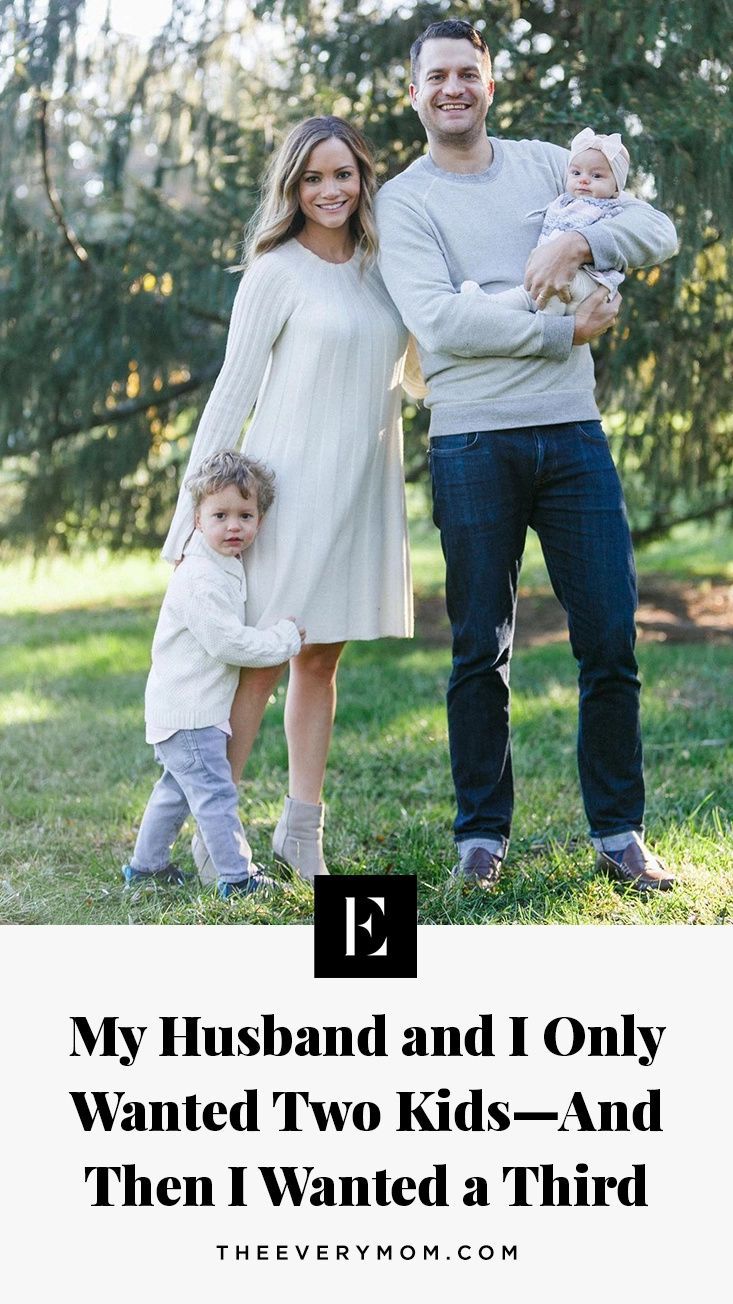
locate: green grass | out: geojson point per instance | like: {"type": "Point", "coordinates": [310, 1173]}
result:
{"type": "Point", "coordinates": [74, 648]}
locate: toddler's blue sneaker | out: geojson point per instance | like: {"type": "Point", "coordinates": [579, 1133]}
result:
{"type": "Point", "coordinates": [171, 876]}
{"type": "Point", "coordinates": [255, 882]}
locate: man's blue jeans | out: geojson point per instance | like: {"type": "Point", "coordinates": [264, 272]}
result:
{"type": "Point", "coordinates": [561, 480]}
{"type": "Point", "coordinates": [197, 778]}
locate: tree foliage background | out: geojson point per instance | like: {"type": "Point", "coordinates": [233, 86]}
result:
{"type": "Point", "coordinates": [127, 174]}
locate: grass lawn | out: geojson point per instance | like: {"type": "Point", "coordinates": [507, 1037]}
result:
{"type": "Point", "coordinates": [74, 648]}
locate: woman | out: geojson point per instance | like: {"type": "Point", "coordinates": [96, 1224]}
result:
{"type": "Point", "coordinates": [316, 341]}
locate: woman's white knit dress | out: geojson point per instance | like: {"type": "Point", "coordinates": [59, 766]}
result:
{"type": "Point", "coordinates": [320, 347]}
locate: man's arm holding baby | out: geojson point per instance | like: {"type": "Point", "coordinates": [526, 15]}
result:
{"type": "Point", "coordinates": [474, 325]}
{"type": "Point", "coordinates": [638, 236]}
{"type": "Point", "coordinates": [443, 321]}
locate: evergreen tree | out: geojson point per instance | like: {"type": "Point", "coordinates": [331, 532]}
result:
{"type": "Point", "coordinates": [127, 176]}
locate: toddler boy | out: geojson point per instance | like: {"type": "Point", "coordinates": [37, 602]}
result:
{"type": "Point", "coordinates": [200, 643]}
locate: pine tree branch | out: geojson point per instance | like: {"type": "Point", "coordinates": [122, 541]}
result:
{"type": "Point", "coordinates": [123, 411]}
{"type": "Point", "coordinates": [417, 471]}
{"type": "Point", "coordinates": [52, 194]}
{"type": "Point", "coordinates": [173, 210]}
{"type": "Point", "coordinates": [203, 314]}
{"type": "Point", "coordinates": [661, 525]}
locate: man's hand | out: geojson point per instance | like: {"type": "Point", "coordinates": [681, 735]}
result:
{"type": "Point", "coordinates": [552, 266]}
{"type": "Point", "coordinates": [595, 316]}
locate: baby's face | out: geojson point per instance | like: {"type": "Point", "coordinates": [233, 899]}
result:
{"type": "Point", "coordinates": [590, 173]}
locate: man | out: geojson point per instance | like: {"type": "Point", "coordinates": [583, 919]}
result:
{"type": "Point", "coordinates": [515, 440]}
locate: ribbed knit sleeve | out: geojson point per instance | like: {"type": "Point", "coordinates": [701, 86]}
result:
{"type": "Point", "coordinates": [262, 305]}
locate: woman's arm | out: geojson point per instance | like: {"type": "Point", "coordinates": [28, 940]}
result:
{"type": "Point", "coordinates": [263, 304]}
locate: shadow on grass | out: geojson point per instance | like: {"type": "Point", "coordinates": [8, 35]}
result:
{"type": "Point", "coordinates": [77, 780]}
{"type": "Point", "coordinates": [390, 691]}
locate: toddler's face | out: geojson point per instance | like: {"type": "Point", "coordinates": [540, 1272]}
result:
{"type": "Point", "coordinates": [228, 521]}
{"type": "Point", "coordinates": [590, 173]}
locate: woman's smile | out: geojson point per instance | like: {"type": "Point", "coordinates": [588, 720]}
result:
{"type": "Point", "coordinates": [330, 187]}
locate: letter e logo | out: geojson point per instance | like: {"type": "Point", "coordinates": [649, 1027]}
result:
{"type": "Point", "coordinates": [365, 926]}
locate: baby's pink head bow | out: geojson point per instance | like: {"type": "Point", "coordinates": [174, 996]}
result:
{"type": "Point", "coordinates": [612, 148]}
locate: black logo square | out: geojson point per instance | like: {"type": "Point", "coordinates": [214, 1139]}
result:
{"type": "Point", "coordinates": [365, 926]}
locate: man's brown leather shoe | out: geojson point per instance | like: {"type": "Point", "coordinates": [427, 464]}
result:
{"type": "Point", "coordinates": [481, 868]}
{"type": "Point", "coordinates": [637, 867]}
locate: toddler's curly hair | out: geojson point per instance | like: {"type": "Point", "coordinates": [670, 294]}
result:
{"type": "Point", "coordinates": [217, 472]}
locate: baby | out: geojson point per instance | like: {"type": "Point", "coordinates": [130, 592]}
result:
{"type": "Point", "coordinates": [595, 178]}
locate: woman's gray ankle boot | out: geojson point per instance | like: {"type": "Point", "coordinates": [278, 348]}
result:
{"type": "Point", "coordinates": [202, 860]}
{"type": "Point", "coordinates": [298, 838]}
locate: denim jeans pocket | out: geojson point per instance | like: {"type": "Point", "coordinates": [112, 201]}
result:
{"type": "Point", "coordinates": [178, 753]}
{"type": "Point", "coordinates": [446, 445]}
{"type": "Point", "coordinates": [592, 430]}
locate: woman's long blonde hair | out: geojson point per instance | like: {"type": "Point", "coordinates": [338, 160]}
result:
{"type": "Point", "coordinates": [279, 218]}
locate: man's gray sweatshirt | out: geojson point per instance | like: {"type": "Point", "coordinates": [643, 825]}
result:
{"type": "Point", "coordinates": [489, 367]}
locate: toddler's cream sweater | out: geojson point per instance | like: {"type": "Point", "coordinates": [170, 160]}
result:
{"type": "Point", "coordinates": [201, 641]}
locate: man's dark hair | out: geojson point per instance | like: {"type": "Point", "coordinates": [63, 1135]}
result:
{"type": "Point", "coordinates": [454, 29]}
